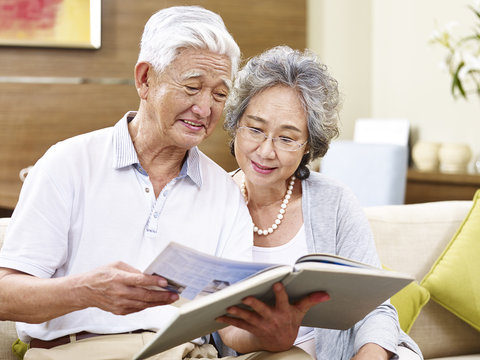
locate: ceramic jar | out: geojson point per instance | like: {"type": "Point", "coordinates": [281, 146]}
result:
{"type": "Point", "coordinates": [425, 155]}
{"type": "Point", "coordinates": [454, 158]}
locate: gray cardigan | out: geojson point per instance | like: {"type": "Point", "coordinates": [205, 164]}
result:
{"type": "Point", "coordinates": [335, 223]}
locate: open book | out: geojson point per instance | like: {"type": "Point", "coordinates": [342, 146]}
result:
{"type": "Point", "coordinates": [208, 285]}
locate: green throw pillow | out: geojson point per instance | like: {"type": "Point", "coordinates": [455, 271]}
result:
{"type": "Point", "coordinates": [408, 302]}
{"type": "Point", "coordinates": [19, 348]}
{"type": "Point", "coordinates": [454, 279]}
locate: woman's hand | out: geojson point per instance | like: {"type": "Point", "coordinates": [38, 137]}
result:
{"type": "Point", "coordinates": [272, 328]}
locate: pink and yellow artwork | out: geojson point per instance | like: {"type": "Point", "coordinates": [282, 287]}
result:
{"type": "Point", "coordinates": [50, 23]}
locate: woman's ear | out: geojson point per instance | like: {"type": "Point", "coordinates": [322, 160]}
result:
{"type": "Point", "coordinates": [142, 79]}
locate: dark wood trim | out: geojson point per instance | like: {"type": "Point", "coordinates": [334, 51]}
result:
{"type": "Point", "coordinates": [437, 186]}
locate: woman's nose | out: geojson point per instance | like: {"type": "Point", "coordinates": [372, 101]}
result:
{"type": "Point", "coordinates": [267, 148]}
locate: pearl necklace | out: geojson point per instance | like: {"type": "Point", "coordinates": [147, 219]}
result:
{"type": "Point", "coordinates": [281, 212]}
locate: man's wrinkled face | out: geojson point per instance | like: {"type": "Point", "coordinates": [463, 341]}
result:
{"type": "Point", "coordinates": [186, 100]}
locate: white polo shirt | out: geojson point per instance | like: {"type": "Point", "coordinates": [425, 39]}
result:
{"type": "Point", "coordinates": [87, 202]}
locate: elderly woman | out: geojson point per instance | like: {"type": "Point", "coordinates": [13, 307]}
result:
{"type": "Point", "coordinates": [283, 113]}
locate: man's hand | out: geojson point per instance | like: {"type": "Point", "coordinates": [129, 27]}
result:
{"type": "Point", "coordinates": [121, 289]}
{"type": "Point", "coordinates": [272, 328]}
{"type": "Point", "coordinates": [117, 288]}
{"type": "Point", "coordinates": [372, 351]}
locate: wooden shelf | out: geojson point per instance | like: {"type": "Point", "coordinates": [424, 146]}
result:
{"type": "Point", "coordinates": [437, 186]}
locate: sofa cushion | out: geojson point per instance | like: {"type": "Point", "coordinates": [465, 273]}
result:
{"type": "Point", "coordinates": [409, 239]}
{"type": "Point", "coordinates": [454, 279]}
{"type": "Point", "coordinates": [409, 302]}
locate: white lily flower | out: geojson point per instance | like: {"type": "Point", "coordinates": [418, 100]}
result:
{"type": "Point", "coordinates": [463, 51]}
{"type": "Point", "coordinates": [476, 5]}
{"type": "Point", "coordinates": [448, 28]}
{"type": "Point", "coordinates": [443, 66]}
{"type": "Point", "coordinates": [457, 58]}
{"type": "Point", "coordinates": [436, 35]}
{"type": "Point", "coordinates": [472, 63]}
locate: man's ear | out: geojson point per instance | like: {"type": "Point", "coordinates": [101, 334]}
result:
{"type": "Point", "coordinates": [142, 78]}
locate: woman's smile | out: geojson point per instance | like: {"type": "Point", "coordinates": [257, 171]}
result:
{"type": "Point", "coordinates": [262, 169]}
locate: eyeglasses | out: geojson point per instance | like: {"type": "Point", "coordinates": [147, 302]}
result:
{"type": "Point", "coordinates": [258, 137]}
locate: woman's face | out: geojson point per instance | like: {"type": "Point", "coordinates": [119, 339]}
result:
{"type": "Point", "coordinates": [278, 113]}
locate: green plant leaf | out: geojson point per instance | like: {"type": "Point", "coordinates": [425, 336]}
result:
{"type": "Point", "coordinates": [475, 11]}
{"type": "Point", "coordinates": [457, 84]}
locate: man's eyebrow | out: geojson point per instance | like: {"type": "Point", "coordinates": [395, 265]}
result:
{"type": "Point", "coordinates": [194, 74]}
{"type": "Point", "coordinates": [191, 74]}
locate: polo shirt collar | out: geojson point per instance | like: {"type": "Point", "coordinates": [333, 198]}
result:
{"type": "Point", "coordinates": [124, 153]}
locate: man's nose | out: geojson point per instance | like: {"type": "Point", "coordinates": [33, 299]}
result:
{"type": "Point", "coordinates": [203, 105]}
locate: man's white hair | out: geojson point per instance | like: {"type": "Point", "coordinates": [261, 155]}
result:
{"type": "Point", "coordinates": [177, 27]}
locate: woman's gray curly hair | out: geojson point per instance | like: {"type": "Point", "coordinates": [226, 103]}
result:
{"type": "Point", "coordinates": [318, 92]}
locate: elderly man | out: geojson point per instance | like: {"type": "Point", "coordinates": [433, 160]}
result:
{"type": "Point", "coordinates": [98, 207]}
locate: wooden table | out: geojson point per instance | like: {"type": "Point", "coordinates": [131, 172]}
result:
{"type": "Point", "coordinates": [437, 186]}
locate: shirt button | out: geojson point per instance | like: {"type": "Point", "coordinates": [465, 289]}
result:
{"type": "Point", "coordinates": [147, 190]}
{"type": "Point", "coordinates": [155, 215]}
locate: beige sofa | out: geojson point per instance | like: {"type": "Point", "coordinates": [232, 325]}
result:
{"type": "Point", "coordinates": [409, 239]}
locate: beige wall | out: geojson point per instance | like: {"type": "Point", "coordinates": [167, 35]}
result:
{"type": "Point", "coordinates": [340, 32]}
{"type": "Point", "coordinates": [379, 52]}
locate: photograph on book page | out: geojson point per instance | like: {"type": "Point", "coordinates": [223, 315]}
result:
{"type": "Point", "coordinates": [191, 273]}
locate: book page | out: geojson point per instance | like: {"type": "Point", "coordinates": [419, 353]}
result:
{"type": "Point", "coordinates": [191, 273]}
{"type": "Point", "coordinates": [333, 259]}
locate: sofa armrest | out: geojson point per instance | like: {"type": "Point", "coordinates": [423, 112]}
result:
{"type": "Point", "coordinates": [8, 334]}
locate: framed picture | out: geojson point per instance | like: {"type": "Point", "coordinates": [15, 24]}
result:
{"type": "Point", "coordinates": [51, 23]}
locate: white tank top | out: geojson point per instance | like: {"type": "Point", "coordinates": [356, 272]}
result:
{"type": "Point", "coordinates": [287, 254]}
